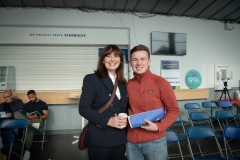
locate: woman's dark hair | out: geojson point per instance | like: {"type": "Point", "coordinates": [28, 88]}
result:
{"type": "Point", "coordinates": [102, 70]}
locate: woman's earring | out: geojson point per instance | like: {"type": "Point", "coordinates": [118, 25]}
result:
{"type": "Point", "coordinates": [103, 62]}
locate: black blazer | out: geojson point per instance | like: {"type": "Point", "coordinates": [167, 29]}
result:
{"type": "Point", "coordinates": [95, 94]}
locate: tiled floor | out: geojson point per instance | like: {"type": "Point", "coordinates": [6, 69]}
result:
{"type": "Point", "coordinates": [57, 147]}
{"type": "Point", "coordinates": [60, 147]}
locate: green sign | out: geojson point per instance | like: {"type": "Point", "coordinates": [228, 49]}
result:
{"type": "Point", "coordinates": [193, 79]}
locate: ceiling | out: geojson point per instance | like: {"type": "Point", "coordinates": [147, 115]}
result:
{"type": "Point", "coordinates": [220, 10]}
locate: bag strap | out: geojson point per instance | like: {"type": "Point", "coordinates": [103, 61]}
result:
{"type": "Point", "coordinates": [111, 99]}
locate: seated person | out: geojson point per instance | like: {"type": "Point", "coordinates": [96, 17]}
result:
{"type": "Point", "coordinates": [34, 121]}
{"type": "Point", "coordinates": [11, 104]}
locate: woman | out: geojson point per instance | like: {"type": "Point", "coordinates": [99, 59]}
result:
{"type": "Point", "coordinates": [105, 138]}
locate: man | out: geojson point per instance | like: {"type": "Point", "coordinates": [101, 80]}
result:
{"type": "Point", "coordinates": [146, 92]}
{"type": "Point", "coordinates": [11, 104]}
{"type": "Point", "coordinates": [34, 121]}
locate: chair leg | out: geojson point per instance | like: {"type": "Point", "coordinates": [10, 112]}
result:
{"type": "Point", "coordinates": [180, 150]}
{"type": "Point", "coordinates": [43, 140]}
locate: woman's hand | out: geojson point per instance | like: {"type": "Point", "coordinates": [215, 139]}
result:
{"type": "Point", "coordinates": [117, 122]}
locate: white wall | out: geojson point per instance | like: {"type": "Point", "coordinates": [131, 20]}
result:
{"type": "Point", "coordinates": [207, 41]}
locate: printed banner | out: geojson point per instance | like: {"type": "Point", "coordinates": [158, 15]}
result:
{"type": "Point", "coordinates": [170, 71]}
{"type": "Point", "coordinates": [222, 76]}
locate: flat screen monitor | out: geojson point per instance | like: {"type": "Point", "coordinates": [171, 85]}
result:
{"type": "Point", "coordinates": [167, 43]}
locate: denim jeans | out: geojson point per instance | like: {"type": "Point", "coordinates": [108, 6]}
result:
{"type": "Point", "coordinates": [153, 150]}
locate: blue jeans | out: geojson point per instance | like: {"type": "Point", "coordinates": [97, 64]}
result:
{"type": "Point", "coordinates": [153, 150]}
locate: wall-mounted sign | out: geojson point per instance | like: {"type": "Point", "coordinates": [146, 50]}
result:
{"type": "Point", "coordinates": [170, 71]}
{"type": "Point", "coordinates": [63, 35]}
{"type": "Point", "coordinates": [193, 79]}
{"type": "Point", "coordinates": [222, 76]}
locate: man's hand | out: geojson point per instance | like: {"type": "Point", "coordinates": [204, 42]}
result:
{"type": "Point", "coordinates": [8, 115]}
{"type": "Point", "coordinates": [150, 126]}
{"type": "Point", "coordinates": [32, 116]}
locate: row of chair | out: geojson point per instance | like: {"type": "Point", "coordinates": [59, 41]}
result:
{"type": "Point", "coordinates": [10, 145]}
{"type": "Point", "coordinates": [221, 105]}
{"type": "Point", "coordinates": [8, 138]}
{"type": "Point", "coordinates": [223, 114]}
{"type": "Point", "coordinates": [206, 133]}
{"type": "Point", "coordinates": [196, 113]}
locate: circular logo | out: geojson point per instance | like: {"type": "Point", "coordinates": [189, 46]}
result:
{"type": "Point", "coordinates": [193, 79]}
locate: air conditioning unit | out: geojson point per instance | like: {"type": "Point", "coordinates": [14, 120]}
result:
{"type": "Point", "coordinates": [7, 78]}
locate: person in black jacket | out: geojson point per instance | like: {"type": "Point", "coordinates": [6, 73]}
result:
{"type": "Point", "coordinates": [10, 105]}
{"type": "Point", "coordinates": [106, 138]}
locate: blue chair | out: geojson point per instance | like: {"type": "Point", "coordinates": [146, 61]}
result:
{"type": "Point", "coordinates": [8, 143]}
{"type": "Point", "coordinates": [203, 117]}
{"type": "Point", "coordinates": [227, 105]}
{"type": "Point", "coordinates": [200, 117]}
{"type": "Point", "coordinates": [8, 136]}
{"type": "Point", "coordinates": [210, 105]}
{"type": "Point", "coordinates": [171, 137]}
{"type": "Point", "coordinates": [181, 136]}
{"type": "Point", "coordinates": [203, 133]}
{"type": "Point", "coordinates": [231, 132]}
{"type": "Point", "coordinates": [192, 107]}
{"type": "Point", "coordinates": [224, 116]}
{"type": "Point", "coordinates": [42, 131]}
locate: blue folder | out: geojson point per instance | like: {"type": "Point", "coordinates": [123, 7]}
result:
{"type": "Point", "coordinates": [137, 120]}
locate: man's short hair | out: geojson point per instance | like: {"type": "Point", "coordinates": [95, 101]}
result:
{"type": "Point", "coordinates": [31, 92]}
{"type": "Point", "coordinates": [9, 90]}
{"type": "Point", "coordinates": [140, 47]}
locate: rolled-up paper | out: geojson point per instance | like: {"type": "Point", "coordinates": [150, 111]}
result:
{"type": "Point", "coordinates": [137, 120]}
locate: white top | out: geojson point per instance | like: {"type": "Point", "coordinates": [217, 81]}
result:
{"type": "Point", "coordinates": [117, 91]}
